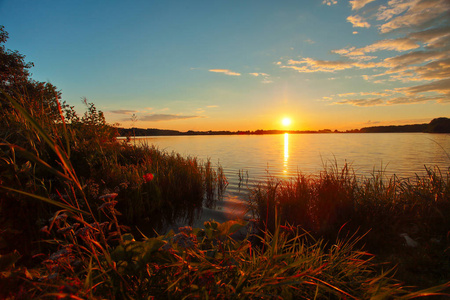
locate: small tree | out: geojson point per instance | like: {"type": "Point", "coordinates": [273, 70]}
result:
{"type": "Point", "coordinates": [41, 99]}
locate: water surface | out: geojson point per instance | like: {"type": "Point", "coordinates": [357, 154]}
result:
{"type": "Point", "coordinates": [286, 155]}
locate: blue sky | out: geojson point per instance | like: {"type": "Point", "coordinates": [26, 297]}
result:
{"type": "Point", "coordinates": [241, 65]}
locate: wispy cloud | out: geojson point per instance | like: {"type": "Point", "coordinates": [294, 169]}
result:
{"type": "Point", "coordinates": [309, 65]}
{"type": "Point", "coordinates": [225, 71]}
{"type": "Point", "coordinates": [419, 54]}
{"type": "Point", "coordinates": [417, 14]}
{"type": "Point", "coordinates": [440, 86]}
{"type": "Point", "coordinates": [265, 76]}
{"type": "Point", "coordinates": [123, 111]}
{"type": "Point", "coordinates": [358, 4]}
{"type": "Point", "coordinates": [165, 117]}
{"type": "Point", "coordinates": [361, 102]}
{"type": "Point", "coordinates": [259, 74]}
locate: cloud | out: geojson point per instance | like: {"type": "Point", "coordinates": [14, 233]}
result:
{"type": "Point", "coordinates": [123, 111]}
{"type": "Point", "coordinates": [433, 38]}
{"type": "Point", "coordinates": [165, 117]}
{"type": "Point", "coordinates": [266, 77]}
{"type": "Point", "coordinates": [212, 106]}
{"type": "Point", "coordinates": [399, 45]}
{"type": "Point", "coordinates": [259, 74]}
{"type": "Point", "coordinates": [372, 122]}
{"type": "Point", "coordinates": [225, 71]}
{"type": "Point", "coordinates": [419, 99]}
{"type": "Point", "coordinates": [358, 4]}
{"type": "Point", "coordinates": [395, 7]}
{"type": "Point", "coordinates": [434, 70]}
{"type": "Point", "coordinates": [361, 102]}
{"type": "Point", "coordinates": [309, 65]}
{"type": "Point", "coordinates": [329, 2]}
{"type": "Point", "coordinates": [419, 54]}
{"type": "Point", "coordinates": [440, 86]}
{"type": "Point", "coordinates": [416, 14]}
{"type": "Point", "coordinates": [358, 21]}
{"type": "Point", "coordinates": [346, 94]}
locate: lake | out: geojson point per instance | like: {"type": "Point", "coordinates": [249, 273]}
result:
{"type": "Point", "coordinates": [286, 155]}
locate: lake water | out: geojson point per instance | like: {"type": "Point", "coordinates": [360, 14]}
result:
{"type": "Point", "coordinates": [285, 155]}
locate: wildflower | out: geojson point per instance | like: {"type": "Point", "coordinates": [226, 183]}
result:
{"type": "Point", "coordinates": [186, 229]}
{"type": "Point", "coordinates": [185, 240]}
{"type": "Point", "coordinates": [60, 253]}
{"type": "Point", "coordinates": [99, 226]}
{"type": "Point", "coordinates": [82, 231]}
{"type": "Point", "coordinates": [59, 217]}
{"type": "Point", "coordinates": [66, 229]}
{"type": "Point", "coordinates": [110, 204]}
{"type": "Point", "coordinates": [44, 230]}
{"type": "Point", "coordinates": [108, 196]}
{"type": "Point", "coordinates": [148, 177]}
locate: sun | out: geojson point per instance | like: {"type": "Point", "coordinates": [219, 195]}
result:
{"type": "Point", "coordinates": [286, 121]}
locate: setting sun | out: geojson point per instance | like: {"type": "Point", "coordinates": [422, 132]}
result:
{"type": "Point", "coordinates": [286, 121]}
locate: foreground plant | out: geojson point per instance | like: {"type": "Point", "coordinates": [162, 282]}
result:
{"type": "Point", "coordinates": [406, 220]}
{"type": "Point", "coordinates": [209, 264]}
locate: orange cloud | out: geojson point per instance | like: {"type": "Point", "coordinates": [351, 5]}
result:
{"type": "Point", "coordinates": [418, 14]}
{"type": "Point", "coordinates": [358, 4]}
{"type": "Point", "coordinates": [358, 21]}
{"type": "Point", "coordinates": [225, 71]}
{"type": "Point", "coordinates": [425, 41]}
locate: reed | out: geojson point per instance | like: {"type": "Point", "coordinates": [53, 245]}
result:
{"type": "Point", "coordinates": [337, 202]}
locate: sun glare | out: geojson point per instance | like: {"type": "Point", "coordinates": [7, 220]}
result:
{"type": "Point", "coordinates": [286, 121]}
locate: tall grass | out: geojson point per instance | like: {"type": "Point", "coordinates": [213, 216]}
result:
{"type": "Point", "coordinates": [337, 202]}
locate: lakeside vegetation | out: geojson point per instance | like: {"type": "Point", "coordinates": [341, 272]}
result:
{"type": "Point", "coordinates": [404, 221]}
{"type": "Point", "coordinates": [74, 202]}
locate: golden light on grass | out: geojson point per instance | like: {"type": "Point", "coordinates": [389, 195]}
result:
{"type": "Point", "coordinates": [286, 121]}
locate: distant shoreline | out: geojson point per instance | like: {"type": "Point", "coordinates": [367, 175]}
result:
{"type": "Point", "coordinates": [438, 125]}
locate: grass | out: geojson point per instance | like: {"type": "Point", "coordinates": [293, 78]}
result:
{"type": "Point", "coordinates": [337, 202]}
{"type": "Point", "coordinates": [68, 201]}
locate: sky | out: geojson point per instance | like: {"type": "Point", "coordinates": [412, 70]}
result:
{"type": "Point", "coordinates": [241, 64]}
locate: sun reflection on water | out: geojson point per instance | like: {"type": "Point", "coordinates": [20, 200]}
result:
{"type": "Point", "coordinates": [286, 152]}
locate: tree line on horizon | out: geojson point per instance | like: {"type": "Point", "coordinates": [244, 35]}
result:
{"type": "Point", "coordinates": [437, 125]}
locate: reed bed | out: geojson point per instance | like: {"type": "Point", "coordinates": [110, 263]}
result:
{"type": "Point", "coordinates": [405, 221]}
